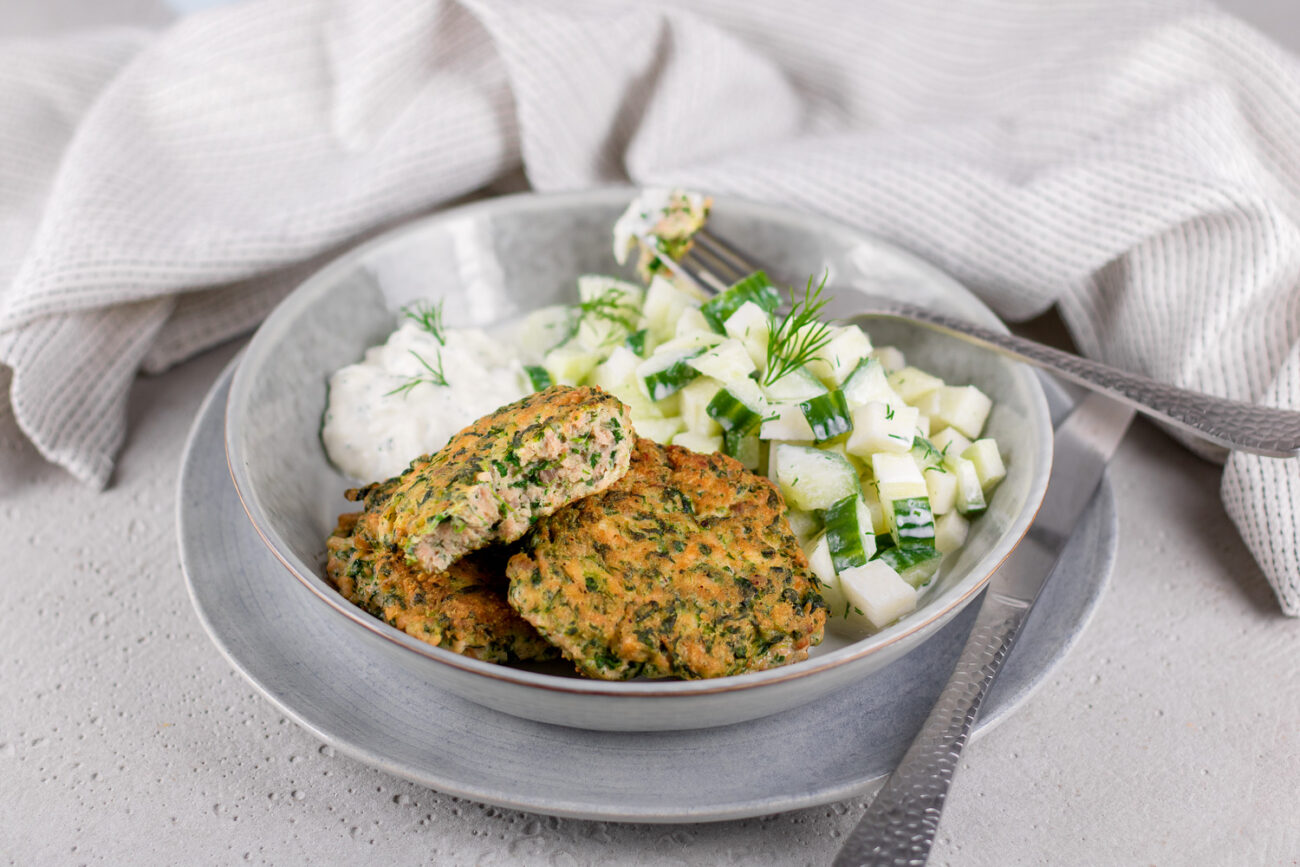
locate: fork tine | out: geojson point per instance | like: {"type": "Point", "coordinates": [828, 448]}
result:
{"type": "Point", "coordinates": [697, 272]}
{"type": "Point", "coordinates": [720, 249]}
{"type": "Point", "coordinates": [714, 264]}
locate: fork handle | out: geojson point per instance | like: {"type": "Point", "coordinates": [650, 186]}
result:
{"type": "Point", "coordinates": [899, 825]}
{"type": "Point", "coordinates": [1232, 424]}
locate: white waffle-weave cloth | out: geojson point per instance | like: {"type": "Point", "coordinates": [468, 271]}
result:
{"type": "Point", "coordinates": [1135, 163]}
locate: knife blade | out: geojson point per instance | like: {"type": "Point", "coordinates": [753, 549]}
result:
{"type": "Point", "coordinates": [899, 825]}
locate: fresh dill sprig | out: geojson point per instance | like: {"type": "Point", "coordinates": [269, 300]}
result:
{"type": "Point", "coordinates": [428, 315]}
{"type": "Point", "coordinates": [800, 335]}
{"type": "Point", "coordinates": [434, 376]}
{"type": "Point", "coordinates": [613, 305]}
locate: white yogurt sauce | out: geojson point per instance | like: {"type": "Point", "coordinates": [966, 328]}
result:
{"type": "Point", "coordinates": [372, 431]}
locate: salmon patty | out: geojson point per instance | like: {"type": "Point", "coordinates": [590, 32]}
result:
{"type": "Point", "coordinates": [686, 567]}
{"type": "Point", "coordinates": [462, 609]}
{"type": "Point", "coordinates": [497, 477]}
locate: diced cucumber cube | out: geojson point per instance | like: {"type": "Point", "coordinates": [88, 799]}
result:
{"type": "Point", "coordinates": [912, 383]}
{"type": "Point", "coordinates": [661, 430]}
{"type": "Point", "coordinates": [828, 415]}
{"type": "Point", "coordinates": [570, 363]}
{"type": "Point", "coordinates": [950, 532]}
{"type": "Point", "coordinates": [698, 442]}
{"type": "Point", "coordinates": [732, 414]}
{"type": "Point", "coordinates": [755, 289]}
{"type": "Point", "coordinates": [869, 382]}
{"type": "Point", "coordinates": [889, 356]}
{"type": "Point", "coordinates": [795, 387]}
{"type": "Point", "coordinates": [805, 525]}
{"type": "Point", "coordinates": [786, 421]}
{"type": "Point", "coordinates": [970, 494]}
{"type": "Point", "coordinates": [911, 520]}
{"type": "Point", "coordinates": [752, 326]}
{"type": "Point", "coordinates": [941, 488]}
{"type": "Point", "coordinates": [538, 377]}
{"type": "Point", "coordinates": [637, 343]}
{"type": "Point", "coordinates": [840, 357]}
{"type": "Point", "coordinates": [879, 427]}
{"type": "Point", "coordinates": [664, 303]}
{"type": "Point", "coordinates": [964, 407]}
{"type": "Point", "coordinates": [915, 564]}
{"type": "Point", "coordinates": [878, 592]}
{"type": "Point", "coordinates": [849, 532]}
{"type": "Point", "coordinates": [897, 476]}
{"type": "Point", "coordinates": [812, 478]}
{"type": "Point", "coordinates": [988, 462]}
{"type": "Point", "coordinates": [742, 446]}
{"type": "Point", "coordinates": [695, 399]}
{"type": "Point", "coordinates": [666, 372]}
{"type": "Point", "coordinates": [725, 362]}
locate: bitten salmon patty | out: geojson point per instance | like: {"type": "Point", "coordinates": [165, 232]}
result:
{"type": "Point", "coordinates": [462, 609]}
{"type": "Point", "coordinates": [498, 476]}
{"type": "Point", "coordinates": [685, 568]}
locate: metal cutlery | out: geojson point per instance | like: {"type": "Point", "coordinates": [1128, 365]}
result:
{"type": "Point", "coordinates": [715, 264]}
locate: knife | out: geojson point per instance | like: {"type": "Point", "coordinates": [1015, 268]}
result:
{"type": "Point", "coordinates": [899, 825]}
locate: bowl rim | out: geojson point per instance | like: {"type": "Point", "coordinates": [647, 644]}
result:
{"type": "Point", "coordinates": [946, 604]}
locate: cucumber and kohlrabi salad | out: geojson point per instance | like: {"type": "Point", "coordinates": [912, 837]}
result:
{"type": "Point", "coordinates": [882, 465]}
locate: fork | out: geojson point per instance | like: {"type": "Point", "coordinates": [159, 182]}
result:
{"type": "Point", "coordinates": [713, 264]}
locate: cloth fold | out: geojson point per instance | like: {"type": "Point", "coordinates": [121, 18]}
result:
{"type": "Point", "coordinates": [1137, 164]}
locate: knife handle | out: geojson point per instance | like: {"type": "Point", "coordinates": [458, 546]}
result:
{"type": "Point", "coordinates": [899, 825]}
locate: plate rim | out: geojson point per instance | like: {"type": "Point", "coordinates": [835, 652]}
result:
{"type": "Point", "coordinates": [960, 594]}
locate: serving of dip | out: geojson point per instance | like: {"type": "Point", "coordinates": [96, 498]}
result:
{"type": "Point", "coordinates": [408, 396]}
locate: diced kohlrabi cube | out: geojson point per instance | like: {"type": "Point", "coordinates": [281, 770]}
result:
{"type": "Point", "coordinates": [950, 532]}
{"type": "Point", "coordinates": [879, 427]}
{"type": "Point", "coordinates": [661, 430]}
{"type": "Point", "coordinates": [988, 462]}
{"type": "Point", "coordinates": [897, 476]}
{"type": "Point", "coordinates": [698, 442]}
{"type": "Point", "coordinates": [664, 304]}
{"type": "Point", "coordinates": [879, 592]}
{"type": "Point", "coordinates": [941, 486]}
{"type": "Point", "coordinates": [725, 362]}
{"type": "Point", "coordinates": [789, 423]}
{"type": "Point", "coordinates": [750, 325]}
{"type": "Point", "coordinates": [695, 399]}
{"type": "Point", "coordinates": [964, 407]}
{"type": "Point", "coordinates": [890, 356]}
{"type": "Point", "coordinates": [912, 383]}
{"type": "Point", "coordinates": [848, 345]}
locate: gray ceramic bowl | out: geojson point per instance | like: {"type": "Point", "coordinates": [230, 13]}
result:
{"type": "Point", "coordinates": [496, 259]}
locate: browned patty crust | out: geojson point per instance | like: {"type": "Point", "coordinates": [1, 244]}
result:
{"type": "Point", "coordinates": [686, 567]}
{"type": "Point", "coordinates": [462, 609]}
{"type": "Point", "coordinates": [498, 476]}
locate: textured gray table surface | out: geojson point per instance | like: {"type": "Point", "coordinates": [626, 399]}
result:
{"type": "Point", "coordinates": [1169, 735]}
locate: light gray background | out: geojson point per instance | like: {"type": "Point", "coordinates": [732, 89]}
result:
{"type": "Point", "coordinates": [1170, 735]}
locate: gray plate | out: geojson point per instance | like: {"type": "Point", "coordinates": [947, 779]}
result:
{"type": "Point", "coordinates": [320, 673]}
